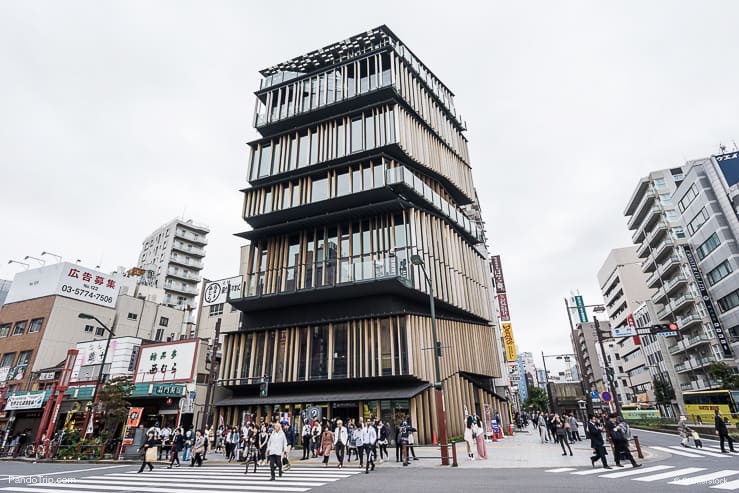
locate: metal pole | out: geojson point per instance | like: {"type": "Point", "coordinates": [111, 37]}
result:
{"type": "Point", "coordinates": [546, 381]}
{"type": "Point", "coordinates": [581, 364]}
{"type": "Point", "coordinates": [100, 375]}
{"type": "Point", "coordinates": [611, 385]}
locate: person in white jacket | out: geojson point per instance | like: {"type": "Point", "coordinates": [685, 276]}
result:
{"type": "Point", "coordinates": [369, 438]}
{"type": "Point", "coordinates": [276, 447]}
{"type": "Point", "coordinates": [341, 439]}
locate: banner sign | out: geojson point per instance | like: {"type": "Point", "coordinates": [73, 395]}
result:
{"type": "Point", "coordinates": [498, 274]}
{"type": "Point", "coordinates": [707, 301]}
{"type": "Point", "coordinates": [581, 312]}
{"type": "Point", "coordinates": [25, 401]}
{"type": "Point", "coordinates": [217, 292]}
{"type": "Point", "coordinates": [729, 164]}
{"type": "Point", "coordinates": [134, 418]}
{"type": "Point", "coordinates": [510, 344]}
{"type": "Point", "coordinates": [503, 304]}
{"type": "Point", "coordinates": [166, 362]}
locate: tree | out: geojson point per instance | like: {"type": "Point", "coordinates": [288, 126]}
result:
{"type": "Point", "coordinates": [663, 392]}
{"type": "Point", "coordinates": [537, 401]}
{"type": "Point", "coordinates": [725, 374]}
{"type": "Point", "coordinates": [114, 402]}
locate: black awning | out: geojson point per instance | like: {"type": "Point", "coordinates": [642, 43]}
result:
{"type": "Point", "coordinates": [405, 392]}
{"type": "Point", "coordinates": [484, 382]}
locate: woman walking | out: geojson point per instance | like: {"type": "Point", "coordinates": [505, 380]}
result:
{"type": "Point", "coordinates": [543, 429]}
{"type": "Point", "coordinates": [482, 452]}
{"type": "Point", "coordinates": [262, 443]}
{"type": "Point", "coordinates": [327, 444]}
{"type": "Point", "coordinates": [250, 448]}
{"type": "Point", "coordinates": [276, 449]}
{"type": "Point", "coordinates": [469, 437]}
{"type": "Point", "coordinates": [150, 451]}
{"type": "Point", "coordinates": [562, 427]}
{"type": "Point", "coordinates": [178, 443]}
{"type": "Point", "coordinates": [198, 449]}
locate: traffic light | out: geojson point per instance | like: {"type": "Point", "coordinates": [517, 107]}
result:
{"type": "Point", "coordinates": [663, 327]}
{"type": "Point", "coordinates": [263, 389]}
{"type": "Point", "coordinates": [610, 373]}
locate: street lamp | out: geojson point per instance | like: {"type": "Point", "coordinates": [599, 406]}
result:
{"type": "Point", "coordinates": [41, 261]}
{"type": "Point", "coordinates": [27, 266]}
{"type": "Point", "coordinates": [439, 391]}
{"type": "Point", "coordinates": [102, 365]}
{"type": "Point", "coordinates": [59, 257]}
{"type": "Point", "coordinates": [566, 357]}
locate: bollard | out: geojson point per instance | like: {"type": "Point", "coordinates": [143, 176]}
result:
{"type": "Point", "coordinates": [404, 454]}
{"type": "Point", "coordinates": [454, 455]}
{"type": "Point", "coordinates": [638, 447]}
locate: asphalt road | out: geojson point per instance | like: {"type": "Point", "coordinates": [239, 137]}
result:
{"type": "Point", "coordinates": [701, 470]}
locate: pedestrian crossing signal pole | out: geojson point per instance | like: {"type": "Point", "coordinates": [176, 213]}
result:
{"type": "Point", "coordinates": [609, 370]}
{"type": "Point", "coordinates": [264, 387]}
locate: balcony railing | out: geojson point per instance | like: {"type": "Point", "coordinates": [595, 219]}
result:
{"type": "Point", "coordinates": [689, 319]}
{"type": "Point", "coordinates": [183, 275]}
{"type": "Point", "coordinates": [195, 264]}
{"type": "Point", "coordinates": [693, 341]}
{"type": "Point", "coordinates": [680, 278]}
{"type": "Point", "coordinates": [672, 260]}
{"type": "Point", "coordinates": [676, 348]}
{"type": "Point", "coordinates": [687, 386]}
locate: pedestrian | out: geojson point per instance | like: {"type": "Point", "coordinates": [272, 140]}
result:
{"type": "Point", "coordinates": [411, 443]}
{"type": "Point", "coordinates": [351, 445]}
{"type": "Point", "coordinates": [552, 427]}
{"type": "Point", "coordinates": [383, 436]}
{"type": "Point", "coordinates": [620, 442]}
{"type": "Point", "coordinates": [290, 443]}
{"type": "Point", "coordinates": [358, 438]}
{"type": "Point", "coordinates": [315, 443]}
{"type": "Point", "coordinates": [723, 432]}
{"type": "Point", "coordinates": [595, 429]}
{"type": "Point", "coordinates": [251, 451]}
{"type": "Point", "coordinates": [469, 437]}
{"type": "Point", "coordinates": [327, 443]}
{"type": "Point", "coordinates": [562, 426]}
{"type": "Point", "coordinates": [404, 433]}
{"type": "Point", "coordinates": [149, 450]}
{"type": "Point", "coordinates": [232, 444]}
{"type": "Point", "coordinates": [341, 439]}
{"type": "Point", "coordinates": [574, 429]}
{"type": "Point", "coordinates": [543, 428]}
{"type": "Point", "coordinates": [684, 431]}
{"type": "Point", "coordinates": [305, 435]}
{"type": "Point", "coordinates": [198, 449]}
{"type": "Point", "coordinates": [276, 449]}
{"type": "Point", "coordinates": [262, 444]}
{"type": "Point", "coordinates": [165, 435]}
{"type": "Point", "coordinates": [482, 452]}
{"type": "Point", "coordinates": [369, 439]}
{"type": "Point", "coordinates": [189, 437]}
{"type": "Point", "coordinates": [178, 443]}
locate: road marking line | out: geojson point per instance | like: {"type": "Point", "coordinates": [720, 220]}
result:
{"type": "Point", "coordinates": [634, 472]}
{"type": "Point", "coordinates": [731, 485]}
{"type": "Point", "coordinates": [676, 452]}
{"type": "Point", "coordinates": [561, 469]}
{"type": "Point", "coordinates": [65, 472]}
{"type": "Point", "coordinates": [196, 484]}
{"type": "Point", "coordinates": [718, 449]}
{"type": "Point", "coordinates": [52, 487]}
{"type": "Point", "coordinates": [702, 452]}
{"type": "Point", "coordinates": [705, 477]}
{"type": "Point", "coordinates": [589, 471]}
{"type": "Point", "coordinates": [671, 474]}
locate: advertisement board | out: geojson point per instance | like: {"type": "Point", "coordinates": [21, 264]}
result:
{"type": "Point", "coordinates": [729, 164]}
{"type": "Point", "coordinates": [510, 344]}
{"type": "Point", "coordinates": [25, 401]}
{"type": "Point", "coordinates": [505, 314]}
{"type": "Point", "coordinates": [65, 279]}
{"type": "Point", "coordinates": [217, 292]}
{"type": "Point", "coordinates": [167, 362]}
{"type": "Point", "coordinates": [498, 274]}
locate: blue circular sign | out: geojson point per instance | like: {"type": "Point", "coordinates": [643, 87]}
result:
{"type": "Point", "coordinates": [595, 394]}
{"type": "Point", "coordinates": [606, 396]}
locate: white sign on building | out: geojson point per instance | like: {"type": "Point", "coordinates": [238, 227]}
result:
{"type": "Point", "coordinates": [215, 291]}
{"type": "Point", "coordinates": [65, 279]}
{"type": "Point", "coordinates": [167, 362]}
{"type": "Point", "coordinates": [25, 401]}
{"type": "Point", "coordinates": [118, 360]}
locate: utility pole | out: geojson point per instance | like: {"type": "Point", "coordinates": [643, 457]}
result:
{"type": "Point", "coordinates": [609, 376]}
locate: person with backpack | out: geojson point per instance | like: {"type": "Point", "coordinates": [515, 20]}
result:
{"type": "Point", "coordinates": [403, 433]}
{"type": "Point", "coordinates": [562, 426]}
{"type": "Point", "coordinates": [358, 436]}
{"type": "Point", "coordinates": [290, 439]}
{"type": "Point", "coordinates": [620, 442]}
{"type": "Point", "coordinates": [305, 435]}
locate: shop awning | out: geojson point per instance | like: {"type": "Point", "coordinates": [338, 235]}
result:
{"type": "Point", "coordinates": [485, 383]}
{"type": "Point", "coordinates": [405, 392]}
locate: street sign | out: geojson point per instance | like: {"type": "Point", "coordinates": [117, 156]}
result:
{"type": "Point", "coordinates": [581, 313]}
{"type": "Point", "coordinates": [595, 394]}
{"type": "Point", "coordinates": [606, 396]}
{"type": "Point", "coordinates": [667, 334]}
{"type": "Point", "coordinates": [624, 331]}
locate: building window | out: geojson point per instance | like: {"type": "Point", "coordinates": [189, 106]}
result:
{"type": "Point", "coordinates": [4, 330]}
{"type": "Point", "coordinates": [89, 328]}
{"type": "Point", "coordinates": [729, 301]}
{"type": "Point", "coordinates": [159, 335]}
{"type": "Point", "coordinates": [99, 332]}
{"type": "Point", "coordinates": [35, 325]}
{"type": "Point", "coordinates": [163, 321]}
{"type": "Point", "coordinates": [688, 198]}
{"type": "Point", "coordinates": [216, 310]}
{"type": "Point", "coordinates": [722, 270]}
{"type": "Point", "coordinates": [7, 360]}
{"type": "Point", "coordinates": [19, 328]}
{"type": "Point", "coordinates": [132, 316]}
{"type": "Point", "coordinates": [698, 221]}
{"type": "Point", "coordinates": [708, 246]}
{"type": "Point", "coordinates": [23, 358]}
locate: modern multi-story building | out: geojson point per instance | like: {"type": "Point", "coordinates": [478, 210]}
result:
{"type": "Point", "coordinates": [678, 222]}
{"type": "Point", "coordinates": [172, 258]}
{"type": "Point", "coordinates": [359, 185]}
{"type": "Point", "coordinates": [4, 288]}
{"type": "Point", "coordinates": [585, 343]}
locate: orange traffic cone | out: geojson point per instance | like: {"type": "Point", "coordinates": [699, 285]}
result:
{"type": "Point", "coordinates": [433, 439]}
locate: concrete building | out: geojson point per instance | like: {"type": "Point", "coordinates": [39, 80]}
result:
{"type": "Point", "coordinates": [680, 217]}
{"type": "Point", "coordinates": [172, 257]}
{"type": "Point", "coordinates": [530, 367]}
{"type": "Point", "coordinates": [4, 288]}
{"type": "Point", "coordinates": [588, 355]}
{"type": "Point", "coordinates": [360, 180]}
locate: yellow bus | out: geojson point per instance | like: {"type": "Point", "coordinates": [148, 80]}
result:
{"type": "Point", "coordinates": [700, 405]}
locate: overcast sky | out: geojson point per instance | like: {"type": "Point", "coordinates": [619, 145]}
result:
{"type": "Point", "coordinates": [116, 117]}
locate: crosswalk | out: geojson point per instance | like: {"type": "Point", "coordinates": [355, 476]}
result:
{"type": "Point", "coordinates": [711, 473]}
{"type": "Point", "coordinates": [208, 479]}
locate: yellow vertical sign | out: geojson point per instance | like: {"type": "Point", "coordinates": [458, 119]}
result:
{"type": "Point", "coordinates": [510, 344]}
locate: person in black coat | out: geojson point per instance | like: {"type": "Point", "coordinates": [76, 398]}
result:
{"type": "Point", "coordinates": [620, 442]}
{"type": "Point", "coordinates": [723, 432]}
{"type": "Point", "coordinates": [178, 443]}
{"type": "Point", "coordinates": [150, 442]}
{"type": "Point", "coordinates": [595, 430]}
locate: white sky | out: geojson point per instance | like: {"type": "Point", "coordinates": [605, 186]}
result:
{"type": "Point", "coordinates": [116, 117]}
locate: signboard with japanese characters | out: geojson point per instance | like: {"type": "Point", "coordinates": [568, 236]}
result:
{"type": "Point", "coordinates": [65, 279]}
{"type": "Point", "coordinates": [217, 292]}
{"type": "Point", "coordinates": [117, 362]}
{"type": "Point", "coordinates": [24, 401]}
{"type": "Point", "coordinates": [508, 342]}
{"type": "Point", "coordinates": [167, 362]}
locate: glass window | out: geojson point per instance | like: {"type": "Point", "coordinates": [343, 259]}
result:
{"type": "Point", "coordinates": [314, 93]}
{"type": "Point", "coordinates": [367, 172]}
{"type": "Point", "coordinates": [343, 185]}
{"type": "Point", "coordinates": [372, 70]}
{"type": "Point", "coordinates": [379, 170]}
{"type": "Point", "coordinates": [351, 82]}
{"type": "Point", "coordinates": [7, 360]}
{"type": "Point", "coordinates": [340, 139]}
{"type": "Point", "coordinates": [265, 160]}
{"type": "Point", "coordinates": [688, 198]}
{"type": "Point", "coordinates": [356, 180]}
{"type": "Point", "coordinates": [340, 350]}
{"type": "Point", "coordinates": [216, 309]}
{"type": "Point", "coordinates": [698, 221]}
{"type": "Point", "coordinates": [363, 76]}
{"type": "Point", "coordinates": [318, 352]}
{"type": "Point", "coordinates": [268, 202]}
{"type": "Point", "coordinates": [302, 356]}
{"type": "Point", "coordinates": [35, 325]}
{"type": "Point", "coordinates": [369, 126]}
{"type": "Point", "coordinates": [722, 270]}
{"type": "Point", "coordinates": [339, 83]}
{"type": "Point", "coordinates": [390, 125]}
{"type": "Point", "coordinates": [386, 355]}
{"type": "Point", "coordinates": [293, 152]}
{"type": "Point", "coordinates": [19, 328]}
{"type": "Point", "coordinates": [385, 61]}
{"type": "Point", "coordinates": [286, 196]}
{"type": "Point", "coordinates": [303, 150]}
{"type": "Point", "coordinates": [708, 246]}
{"type": "Point", "coordinates": [319, 190]}
{"type": "Point", "coordinates": [356, 134]}
{"type": "Point", "coordinates": [314, 146]}
{"type": "Point", "coordinates": [296, 194]}
{"type": "Point", "coordinates": [4, 330]}
{"type": "Point", "coordinates": [729, 301]}
{"type": "Point", "coordinates": [322, 90]}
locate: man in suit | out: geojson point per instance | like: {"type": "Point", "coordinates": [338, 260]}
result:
{"type": "Point", "coordinates": [723, 432]}
{"type": "Point", "coordinates": [341, 438]}
{"type": "Point", "coordinates": [595, 429]}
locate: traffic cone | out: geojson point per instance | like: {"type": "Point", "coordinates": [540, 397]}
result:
{"type": "Point", "coordinates": [510, 429]}
{"type": "Point", "coordinates": [495, 436]}
{"type": "Point", "coordinates": [433, 439]}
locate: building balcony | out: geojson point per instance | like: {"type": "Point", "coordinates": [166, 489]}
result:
{"type": "Point", "coordinates": [660, 298]}
{"type": "Point", "coordinates": [675, 283]}
{"type": "Point", "coordinates": [643, 250]}
{"type": "Point", "coordinates": [663, 249]}
{"type": "Point", "coordinates": [687, 386]}
{"type": "Point", "coordinates": [697, 340]}
{"type": "Point", "coordinates": [666, 268]}
{"type": "Point", "coordinates": [188, 249]}
{"type": "Point", "coordinates": [681, 367]}
{"type": "Point", "coordinates": [180, 260]}
{"type": "Point", "coordinates": [642, 210]}
{"type": "Point", "coordinates": [689, 320]}
{"type": "Point", "coordinates": [181, 274]}
{"type": "Point", "coordinates": [649, 265]}
{"type": "Point", "coordinates": [682, 303]}
{"type": "Point", "coordinates": [654, 281]}
{"type": "Point", "coordinates": [179, 288]}
{"type": "Point", "coordinates": [657, 233]}
{"type": "Point", "coordinates": [704, 361]}
{"type": "Point", "coordinates": [676, 348]}
{"type": "Point", "coordinates": [187, 235]}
